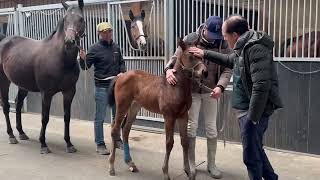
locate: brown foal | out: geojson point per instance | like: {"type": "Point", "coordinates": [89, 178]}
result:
{"type": "Point", "coordinates": [136, 89]}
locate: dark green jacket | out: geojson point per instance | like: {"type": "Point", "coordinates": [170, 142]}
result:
{"type": "Point", "coordinates": [256, 90]}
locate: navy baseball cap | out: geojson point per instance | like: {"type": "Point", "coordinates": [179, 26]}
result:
{"type": "Point", "coordinates": [214, 25]}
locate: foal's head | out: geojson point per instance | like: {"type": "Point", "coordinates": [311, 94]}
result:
{"type": "Point", "coordinates": [193, 66]}
{"type": "Point", "coordinates": [73, 24]}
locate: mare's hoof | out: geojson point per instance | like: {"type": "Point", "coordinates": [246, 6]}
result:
{"type": "Point", "coordinates": [71, 149]}
{"type": "Point", "coordinates": [23, 137]}
{"type": "Point", "coordinates": [187, 172]}
{"type": "Point", "coordinates": [191, 175]}
{"type": "Point", "coordinates": [45, 150]}
{"type": "Point", "coordinates": [112, 172]}
{"type": "Point", "coordinates": [13, 140]}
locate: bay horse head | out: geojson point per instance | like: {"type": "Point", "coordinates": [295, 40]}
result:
{"type": "Point", "coordinates": [137, 29]}
{"type": "Point", "coordinates": [73, 24]}
{"type": "Point", "coordinates": [192, 66]}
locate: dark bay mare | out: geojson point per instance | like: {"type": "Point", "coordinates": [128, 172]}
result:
{"type": "Point", "coordinates": [136, 89]}
{"type": "Point", "coordinates": [47, 66]}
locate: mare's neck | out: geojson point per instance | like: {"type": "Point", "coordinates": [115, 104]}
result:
{"type": "Point", "coordinates": [69, 56]}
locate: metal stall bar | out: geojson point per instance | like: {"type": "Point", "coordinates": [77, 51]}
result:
{"type": "Point", "coordinates": [285, 28]}
{"type": "Point", "coordinates": [297, 35]}
{"type": "Point", "coordinates": [291, 27]}
{"type": "Point", "coordinates": [304, 26]}
{"type": "Point", "coordinates": [309, 42]}
{"type": "Point", "coordinates": [316, 28]}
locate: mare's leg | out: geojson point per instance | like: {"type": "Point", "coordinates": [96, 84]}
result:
{"type": "Point", "coordinates": [123, 104]}
{"type": "Point", "coordinates": [19, 103]}
{"type": "Point", "coordinates": [67, 100]}
{"type": "Point", "coordinates": [169, 128]}
{"type": "Point", "coordinates": [127, 124]}
{"type": "Point", "coordinates": [183, 123]}
{"type": "Point", "coordinates": [4, 90]}
{"type": "Point", "coordinates": [46, 103]}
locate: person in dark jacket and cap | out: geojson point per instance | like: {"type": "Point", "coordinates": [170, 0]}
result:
{"type": "Point", "coordinates": [255, 89]}
{"type": "Point", "coordinates": [108, 63]}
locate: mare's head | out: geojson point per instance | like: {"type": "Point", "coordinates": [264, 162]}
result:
{"type": "Point", "coordinates": [193, 66]}
{"type": "Point", "coordinates": [73, 24]}
{"type": "Point", "coordinates": [137, 29]}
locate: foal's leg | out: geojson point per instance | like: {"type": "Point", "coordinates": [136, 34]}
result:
{"type": "Point", "coordinates": [4, 88]}
{"type": "Point", "coordinates": [46, 103]}
{"type": "Point", "coordinates": [19, 103]}
{"type": "Point", "coordinates": [122, 109]}
{"type": "Point", "coordinates": [183, 123]}
{"type": "Point", "coordinates": [169, 127]}
{"type": "Point", "coordinates": [67, 100]}
{"type": "Point", "coordinates": [133, 111]}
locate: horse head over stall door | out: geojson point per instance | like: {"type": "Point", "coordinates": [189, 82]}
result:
{"type": "Point", "coordinates": [300, 46]}
{"type": "Point", "coordinates": [136, 89]}
{"type": "Point", "coordinates": [137, 16]}
{"type": "Point", "coordinates": [47, 66]}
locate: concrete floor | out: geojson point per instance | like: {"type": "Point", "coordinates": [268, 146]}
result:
{"type": "Point", "coordinates": [24, 161]}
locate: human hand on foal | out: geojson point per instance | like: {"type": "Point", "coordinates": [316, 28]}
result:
{"type": "Point", "coordinates": [216, 93]}
{"type": "Point", "coordinates": [197, 52]}
{"type": "Point", "coordinates": [171, 78]}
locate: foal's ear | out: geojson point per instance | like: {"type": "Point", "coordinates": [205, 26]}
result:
{"type": "Point", "coordinates": [182, 44]}
{"type": "Point", "coordinates": [80, 3]}
{"type": "Point", "coordinates": [131, 15]}
{"type": "Point", "coordinates": [143, 14]}
{"type": "Point", "coordinates": [65, 5]}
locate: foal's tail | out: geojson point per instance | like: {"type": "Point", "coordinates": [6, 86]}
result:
{"type": "Point", "coordinates": [111, 98]}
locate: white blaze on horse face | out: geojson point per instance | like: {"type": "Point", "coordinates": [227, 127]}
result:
{"type": "Point", "coordinates": [141, 40]}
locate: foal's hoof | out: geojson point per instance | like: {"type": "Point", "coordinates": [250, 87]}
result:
{"type": "Point", "coordinates": [71, 149]}
{"type": "Point", "coordinates": [112, 172]}
{"type": "Point", "coordinates": [192, 176]}
{"type": "Point", "coordinates": [13, 140]}
{"type": "Point", "coordinates": [45, 150]}
{"type": "Point", "coordinates": [133, 169]}
{"type": "Point", "coordinates": [23, 137]}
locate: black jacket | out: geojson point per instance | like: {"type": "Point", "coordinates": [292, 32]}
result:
{"type": "Point", "coordinates": [107, 60]}
{"type": "Point", "coordinates": [258, 80]}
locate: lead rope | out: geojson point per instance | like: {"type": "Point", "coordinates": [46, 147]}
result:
{"type": "Point", "coordinates": [86, 69]}
{"type": "Point", "coordinates": [85, 78]}
{"type": "Point", "coordinates": [221, 131]}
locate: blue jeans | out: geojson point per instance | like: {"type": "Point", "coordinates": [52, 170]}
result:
{"type": "Point", "coordinates": [254, 157]}
{"type": "Point", "coordinates": [101, 97]}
